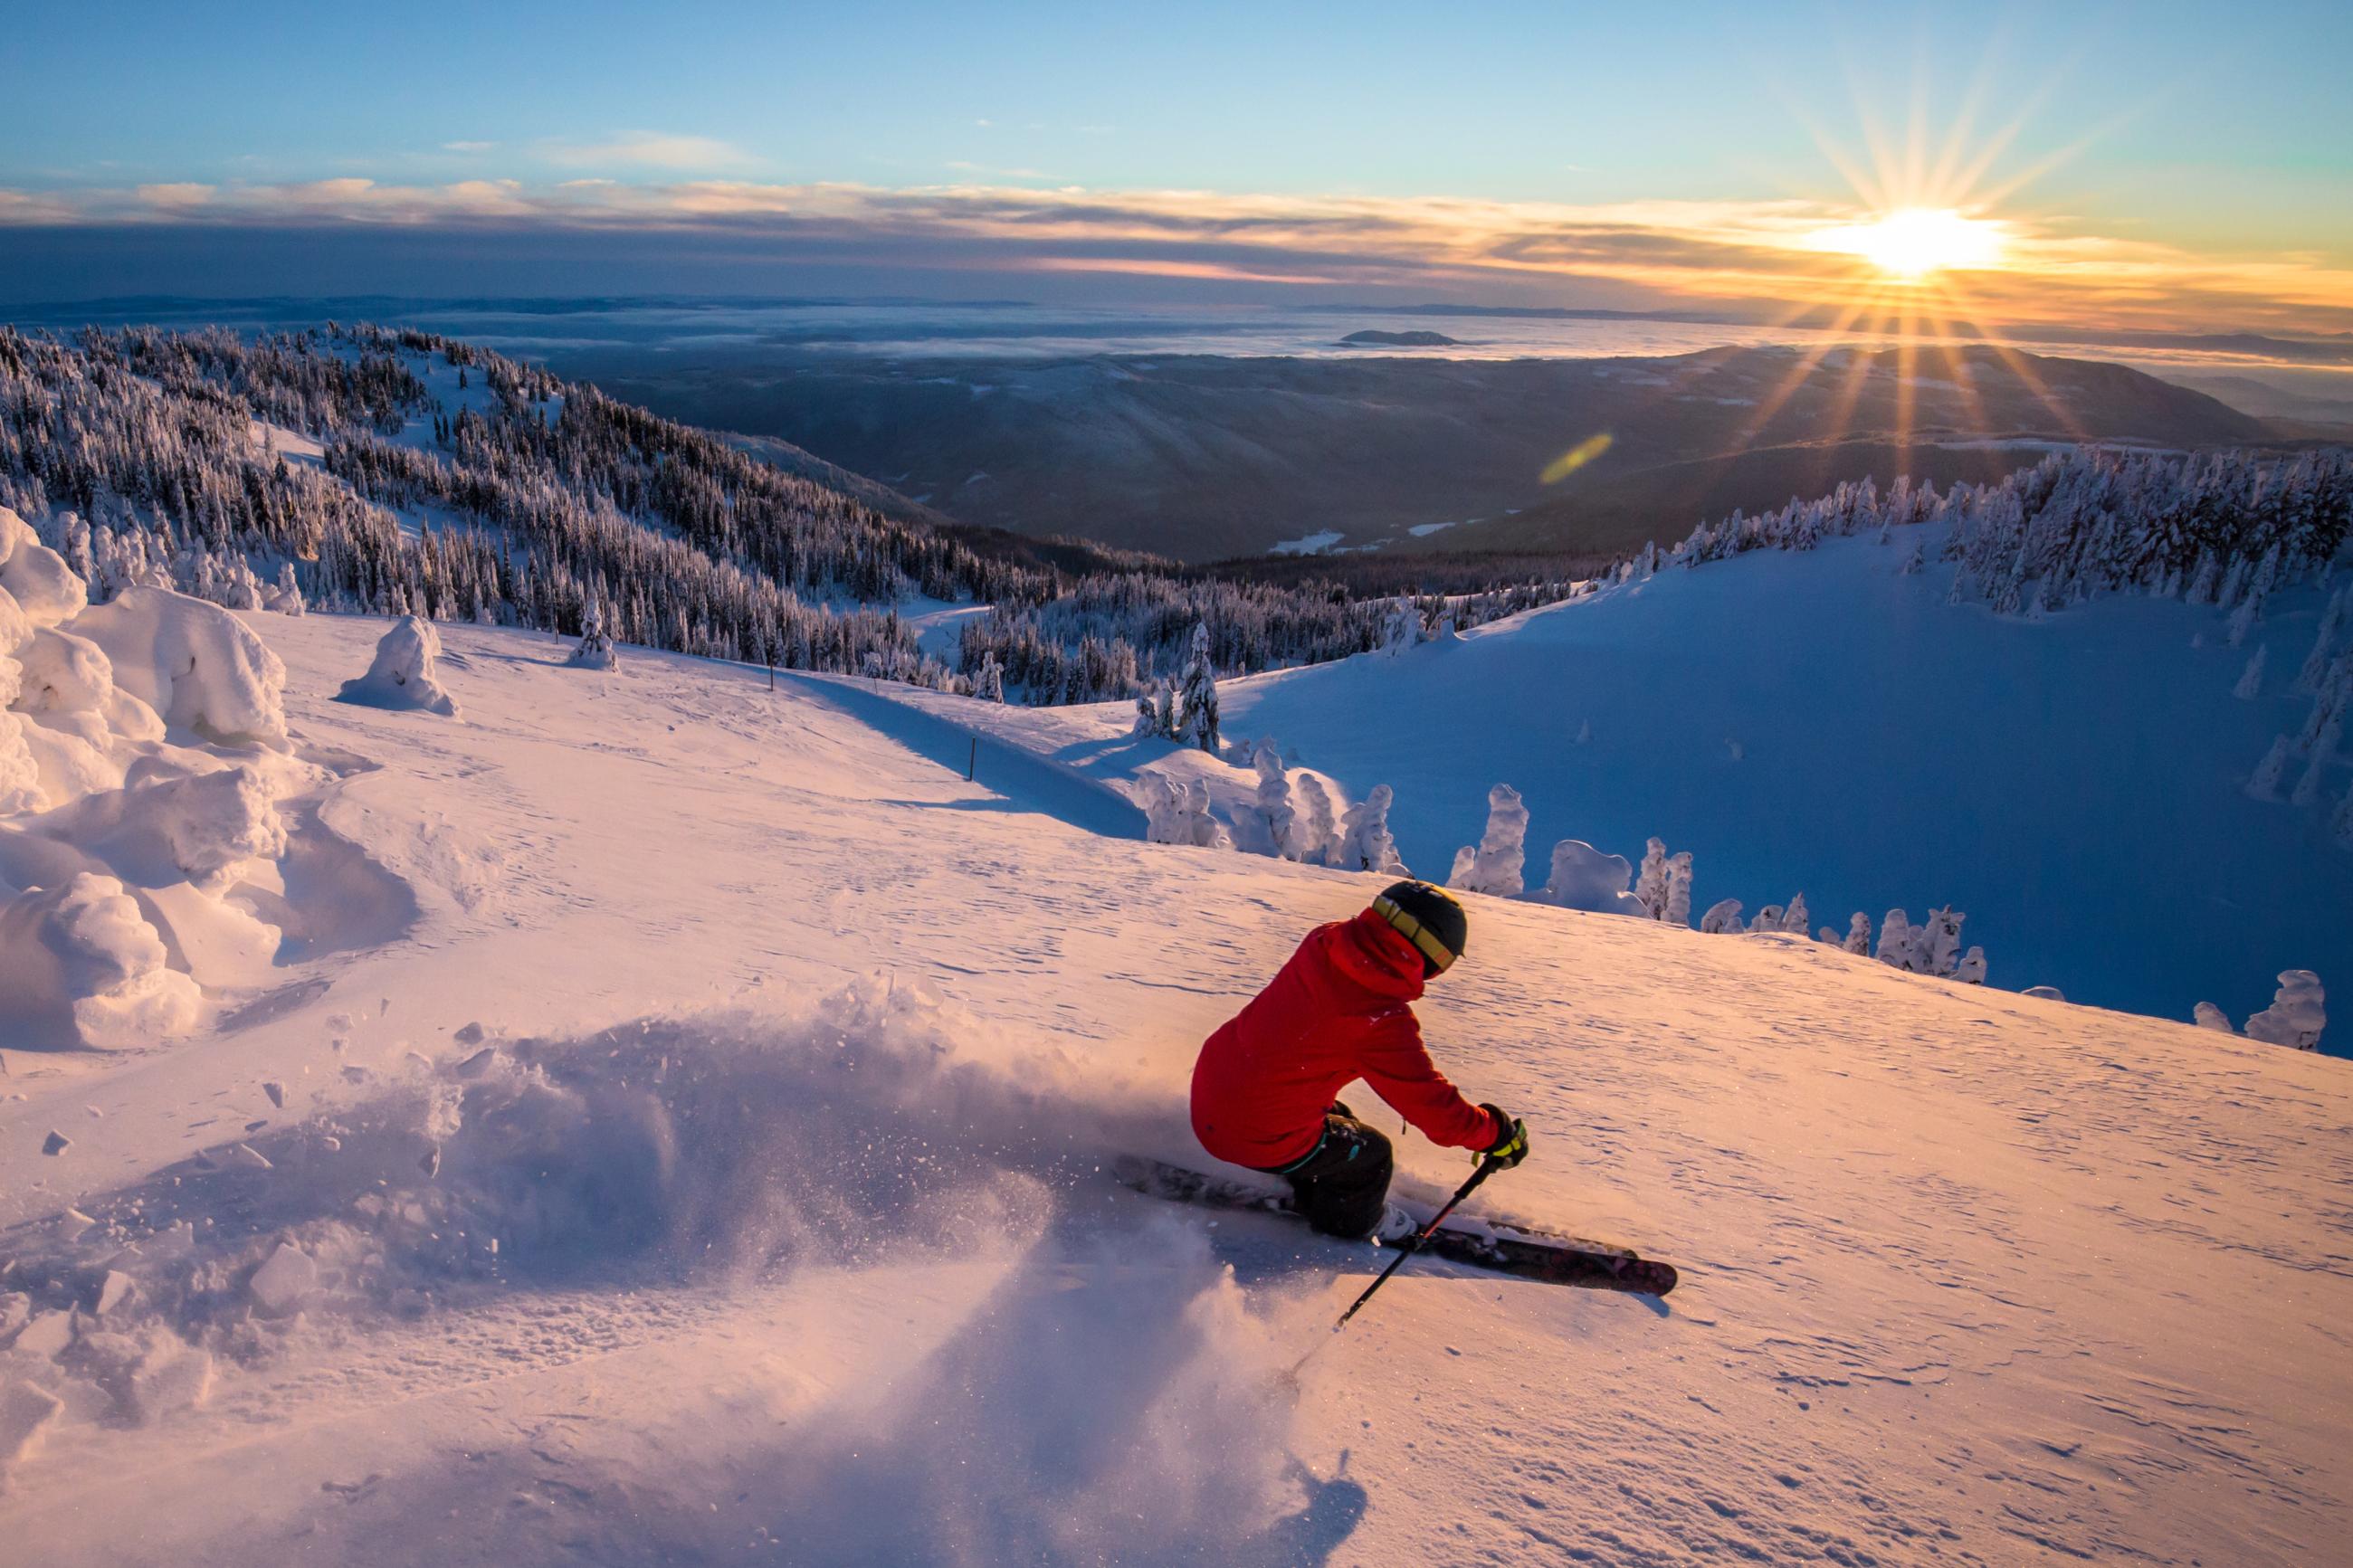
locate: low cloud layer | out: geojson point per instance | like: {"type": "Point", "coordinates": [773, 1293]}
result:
{"type": "Point", "coordinates": [1660, 254]}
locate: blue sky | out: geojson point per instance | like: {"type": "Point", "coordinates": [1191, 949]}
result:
{"type": "Point", "coordinates": [2219, 132]}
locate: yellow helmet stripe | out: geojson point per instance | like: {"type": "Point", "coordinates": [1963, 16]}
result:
{"type": "Point", "coordinates": [1413, 931]}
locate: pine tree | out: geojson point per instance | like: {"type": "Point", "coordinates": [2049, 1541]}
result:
{"type": "Point", "coordinates": [1200, 697]}
{"type": "Point", "coordinates": [2250, 679]}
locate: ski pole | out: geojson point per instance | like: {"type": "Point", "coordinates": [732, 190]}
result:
{"type": "Point", "coordinates": [1486, 1168]}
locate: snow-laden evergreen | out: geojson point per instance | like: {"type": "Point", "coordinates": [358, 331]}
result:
{"type": "Point", "coordinates": [1496, 864]}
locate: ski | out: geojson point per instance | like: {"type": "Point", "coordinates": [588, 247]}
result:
{"type": "Point", "coordinates": [1516, 1250]}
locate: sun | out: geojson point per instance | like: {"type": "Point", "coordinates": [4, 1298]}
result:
{"type": "Point", "coordinates": [1910, 243]}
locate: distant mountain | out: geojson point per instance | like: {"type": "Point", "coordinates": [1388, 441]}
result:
{"type": "Point", "coordinates": [1416, 340]}
{"type": "Point", "coordinates": [1200, 458]}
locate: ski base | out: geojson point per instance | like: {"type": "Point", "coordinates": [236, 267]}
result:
{"type": "Point", "coordinates": [1510, 1249]}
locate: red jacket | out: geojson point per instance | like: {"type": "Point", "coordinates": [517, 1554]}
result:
{"type": "Point", "coordinates": [1338, 1011]}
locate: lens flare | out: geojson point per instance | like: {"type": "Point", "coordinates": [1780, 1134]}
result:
{"type": "Point", "coordinates": [1913, 242]}
{"type": "Point", "coordinates": [1575, 457]}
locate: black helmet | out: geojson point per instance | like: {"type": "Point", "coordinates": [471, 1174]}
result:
{"type": "Point", "coordinates": [1426, 917]}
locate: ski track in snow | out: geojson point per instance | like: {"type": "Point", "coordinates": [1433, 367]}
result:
{"type": "Point", "coordinates": [793, 1275]}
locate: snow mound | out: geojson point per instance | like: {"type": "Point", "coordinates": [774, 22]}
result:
{"type": "Point", "coordinates": [143, 758]}
{"type": "Point", "coordinates": [403, 674]}
{"type": "Point", "coordinates": [1583, 877]}
{"type": "Point", "coordinates": [199, 666]}
{"type": "Point", "coordinates": [82, 961]}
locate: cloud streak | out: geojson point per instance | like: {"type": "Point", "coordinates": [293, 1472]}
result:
{"type": "Point", "coordinates": [1668, 252]}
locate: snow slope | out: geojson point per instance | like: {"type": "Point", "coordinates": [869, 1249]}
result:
{"type": "Point", "coordinates": [1819, 721]}
{"type": "Point", "coordinates": [778, 1062]}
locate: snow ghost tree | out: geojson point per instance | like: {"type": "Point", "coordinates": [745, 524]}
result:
{"type": "Point", "coordinates": [1794, 920]}
{"type": "Point", "coordinates": [1497, 864]}
{"type": "Point", "coordinates": [1895, 940]}
{"type": "Point", "coordinates": [1177, 813]}
{"type": "Point", "coordinates": [2207, 1015]}
{"type": "Point", "coordinates": [596, 651]}
{"type": "Point", "coordinates": [1858, 933]}
{"type": "Point", "coordinates": [1199, 696]}
{"type": "Point", "coordinates": [988, 680]}
{"type": "Point", "coordinates": [1937, 949]}
{"type": "Point", "coordinates": [1365, 844]}
{"type": "Point", "coordinates": [1768, 919]}
{"type": "Point", "coordinates": [1679, 888]}
{"type": "Point", "coordinates": [1583, 877]}
{"type": "Point", "coordinates": [286, 597]}
{"type": "Point", "coordinates": [1722, 917]}
{"type": "Point", "coordinates": [1459, 875]}
{"type": "Point", "coordinates": [1972, 970]}
{"type": "Point", "coordinates": [1651, 885]}
{"type": "Point", "coordinates": [403, 674]}
{"type": "Point", "coordinates": [1274, 802]}
{"type": "Point", "coordinates": [1314, 824]}
{"type": "Point", "coordinates": [2296, 1015]}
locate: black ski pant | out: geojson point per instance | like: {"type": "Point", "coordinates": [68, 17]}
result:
{"type": "Point", "coordinates": [1342, 1182]}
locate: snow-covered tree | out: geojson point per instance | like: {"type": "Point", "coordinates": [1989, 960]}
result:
{"type": "Point", "coordinates": [596, 649]}
{"type": "Point", "coordinates": [1179, 813]}
{"type": "Point", "coordinates": [2263, 784]}
{"type": "Point", "coordinates": [1768, 919]}
{"type": "Point", "coordinates": [1936, 948]}
{"type": "Point", "coordinates": [1858, 933]}
{"type": "Point", "coordinates": [1274, 801]}
{"type": "Point", "coordinates": [988, 680]}
{"type": "Point", "coordinates": [1651, 885]}
{"type": "Point", "coordinates": [1679, 888]}
{"type": "Point", "coordinates": [1895, 940]}
{"type": "Point", "coordinates": [1972, 970]}
{"type": "Point", "coordinates": [2242, 619]}
{"type": "Point", "coordinates": [2250, 679]}
{"type": "Point", "coordinates": [1403, 628]}
{"type": "Point", "coordinates": [1365, 843]}
{"type": "Point", "coordinates": [1723, 916]}
{"type": "Point", "coordinates": [2207, 1015]}
{"type": "Point", "coordinates": [1316, 834]}
{"type": "Point", "coordinates": [1200, 697]}
{"type": "Point", "coordinates": [1497, 864]}
{"type": "Point", "coordinates": [2296, 1015]}
{"type": "Point", "coordinates": [2324, 643]}
{"type": "Point", "coordinates": [286, 597]}
{"type": "Point", "coordinates": [1794, 918]}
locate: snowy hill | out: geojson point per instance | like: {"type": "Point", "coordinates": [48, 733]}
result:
{"type": "Point", "coordinates": [673, 1132]}
{"type": "Point", "coordinates": [1825, 723]}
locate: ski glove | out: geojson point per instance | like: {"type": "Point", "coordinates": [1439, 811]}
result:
{"type": "Point", "coordinates": [1513, 1146]}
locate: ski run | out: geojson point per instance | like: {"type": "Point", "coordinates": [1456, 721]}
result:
{"type": "Point", "coordinates": [676, 1123]}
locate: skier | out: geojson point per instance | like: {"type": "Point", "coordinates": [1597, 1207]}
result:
{"type": "Point", "coordinates": [1340, 1010]}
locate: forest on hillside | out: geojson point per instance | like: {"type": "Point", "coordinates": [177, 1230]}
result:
{"type": "Point", "coordinates": [454, 483]}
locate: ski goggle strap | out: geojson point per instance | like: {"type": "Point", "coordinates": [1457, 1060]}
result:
{"type": "Point", "coordinates": [1414, 931]}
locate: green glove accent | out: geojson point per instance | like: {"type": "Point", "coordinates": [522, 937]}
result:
{"type": "Point", "coordinates": [1513, 1146]}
